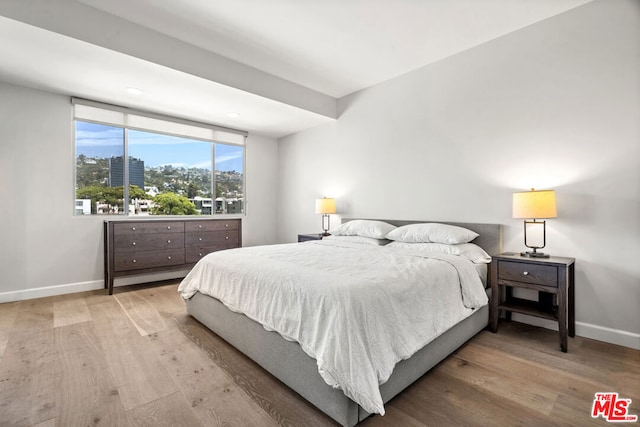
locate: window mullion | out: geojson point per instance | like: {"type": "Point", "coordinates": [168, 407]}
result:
{"type": "Point", "coordinates": [125, 180]}
{"type": "Point", "coordinates": [213, 180]}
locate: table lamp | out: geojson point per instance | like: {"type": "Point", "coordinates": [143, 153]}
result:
{"type": "Point", "coordinates": [325, 206]}
{"type": "Point", "coordinates": [532, 206]}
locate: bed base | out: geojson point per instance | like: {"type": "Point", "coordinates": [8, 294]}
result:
{"type": "Point", "coordinates": [286, 361]}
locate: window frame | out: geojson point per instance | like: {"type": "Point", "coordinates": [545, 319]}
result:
{"type": "Point", "coordinates": [126, 112]}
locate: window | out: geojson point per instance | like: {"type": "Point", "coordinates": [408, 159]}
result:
{"type": "Point", "coordinates": [172, 166]}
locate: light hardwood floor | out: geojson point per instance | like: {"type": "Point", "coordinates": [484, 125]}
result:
{"type": "Point", "coordinates": [136, 358]}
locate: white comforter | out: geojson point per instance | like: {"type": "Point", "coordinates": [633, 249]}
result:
{"type": "Point", "coordinates": [356, 309]}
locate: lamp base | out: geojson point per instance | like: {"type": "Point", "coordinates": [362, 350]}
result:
{"type": "Point", "coordinates": [326, 225]}
{"type": "Point", "coordinates": [535, 255]}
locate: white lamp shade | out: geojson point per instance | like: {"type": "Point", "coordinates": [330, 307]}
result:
{"type": "Point", "coordinates": [534, 204]}
{"type": "Point", "coordinates": [326, 206]}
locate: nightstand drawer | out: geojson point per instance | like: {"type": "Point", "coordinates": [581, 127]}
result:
{"type": "Point", "coordinates": [307, 237]}
{"type": "Point", "coordinates": [544, 275]}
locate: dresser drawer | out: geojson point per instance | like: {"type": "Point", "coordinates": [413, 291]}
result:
{"type": "Point", "coordinates": [544, 275]}
{"type": "Point", "coordinates": [147, 242]}
{"type": "Point", "coordinates": [218, 225]}
{"type": "Point", "coordinates": [148, 259]}
{"type": "Point", "coordinates": [194, 254]}
{"type": "Point", "coordinates": [211, 238]}
{"type": "Point", "coordinates": [150, 227]}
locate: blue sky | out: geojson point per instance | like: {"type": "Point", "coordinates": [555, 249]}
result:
{"type": "Point", "coordinates": [94, 140]}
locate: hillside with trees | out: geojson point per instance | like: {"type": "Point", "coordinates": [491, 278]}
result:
{"type": "Point", "coordinates": [92, 182]}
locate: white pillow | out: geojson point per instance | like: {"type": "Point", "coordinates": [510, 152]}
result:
{"type": "Point", "coordinates": [358, 239]}
{"type": "Point", "coordinates": [432, 232]}
{"type": "Point", "coordinates": [472, 252]}
{"type": "Point", "coordinates": [364, 228]}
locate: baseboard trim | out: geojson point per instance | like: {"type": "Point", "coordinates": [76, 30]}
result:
{"type": "Point", "coordinates": [587, 330]}
{"type": "Point", "coordinates": [48, 291]}
{"type": "Point", "coordinates": [613, 336]}
{"type": "Point", "coordinates": [70, 288]}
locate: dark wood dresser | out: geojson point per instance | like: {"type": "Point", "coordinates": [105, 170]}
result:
{"type": "Point", "coordinates": [133, 247]}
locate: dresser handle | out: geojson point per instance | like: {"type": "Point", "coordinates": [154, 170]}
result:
{"type": "Point", "coordinates": [200, 239]}
{"type": "Point", "coordinates": [168, 241]}
{"type": "Point", "coordinates": [200, 254]}
{"type": "Point", "coordinates": [134, 261]}
{"type": "Point", "coordinates": [133, 228]}
{"type": "Point", "coordinates": [200, 226]}
{"type": "Point", "coordinates": [133, 243]}
{"type": "Point", "coordinates": [227, 237]}
{"type": "Point", "coordinates": [526, 273]}
{"type": "Point", "coordinates": [169, 257]}
{"type": "Point", "coordinates": [226, 225]}
{"type": "Point", "coordinates": [168, 227]}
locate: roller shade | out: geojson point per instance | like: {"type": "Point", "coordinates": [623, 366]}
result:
{"type": "Point", "coordinates": [107, 114]}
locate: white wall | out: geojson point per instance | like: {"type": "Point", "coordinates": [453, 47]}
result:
{"type": "Point", "coordinates": [555, 105]}
{"type": "Point", "coordinates": [45, 249]}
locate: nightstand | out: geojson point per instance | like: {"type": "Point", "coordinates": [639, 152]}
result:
{"type": "Point", "coordinates": [552, 277]}
{"type": "Point", "coordinates": [305, 237]}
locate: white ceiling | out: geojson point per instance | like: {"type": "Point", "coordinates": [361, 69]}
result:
{"type": "Point", "coordinates": [281, 64]}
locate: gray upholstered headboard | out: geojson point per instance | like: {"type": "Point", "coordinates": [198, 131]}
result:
{"type": "Point", "coordinates": [489, 239]}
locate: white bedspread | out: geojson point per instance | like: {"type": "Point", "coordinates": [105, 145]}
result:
{"type": "Point", "coordinates": [356, 309]}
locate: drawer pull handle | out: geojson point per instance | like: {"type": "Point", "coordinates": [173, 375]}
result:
{"type": "Point", "coordinates": [200, 254]}
{"type": "Point", "coordinates": [199, 226]}
{"type": "Point", "coordinates": [168, 227]}
{"type": "Point", "coordinates": [169, 257]}
{"type": "Point", "coordinates": [168, 241]}
{"type": "Point", "coordinates": [200, 239]}
{"type": "Point", "coordinates": [526, 273]}
{"type": "Point", "coordinates": [226, 225]}
{"type": "Point", "coordinates": [133, 228]}
{"type": "Point", "coordinates": [227, 237]}
{"type": "Point", "coordinates": [133, 243]}
{"type": "Point", "coordinates": [134, 261]}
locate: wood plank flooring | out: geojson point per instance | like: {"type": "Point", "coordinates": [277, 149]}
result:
{"type": "Point", "coordinates": [137, 359]}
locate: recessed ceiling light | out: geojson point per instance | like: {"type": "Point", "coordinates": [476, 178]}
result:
{"type": "Point", "coordinates": [233, 114]}
{"type": "Point", "coordinates": [134, 90]}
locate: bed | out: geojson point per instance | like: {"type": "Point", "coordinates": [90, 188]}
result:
{"type": "Point", "coordinates": [309, 361]}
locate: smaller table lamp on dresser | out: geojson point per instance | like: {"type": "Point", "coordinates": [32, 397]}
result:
{"type": "Point", "coordinates": [325, 206]}
{"type": "Point", "coordinates": [531, 206]}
